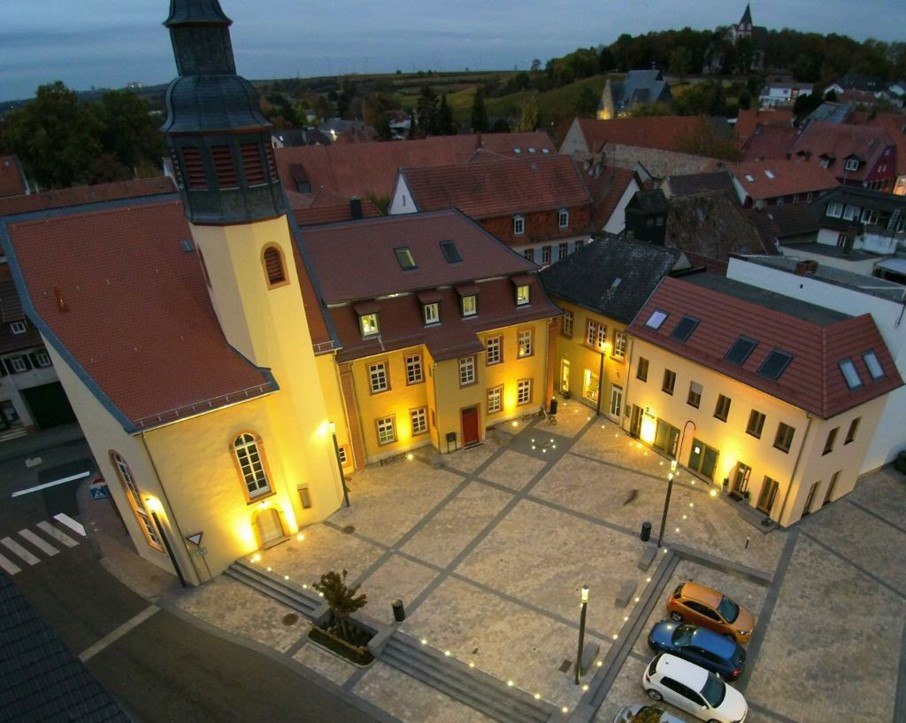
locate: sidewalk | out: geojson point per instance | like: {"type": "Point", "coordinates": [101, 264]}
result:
{"type": "Point", "coordinates": [489, 552]}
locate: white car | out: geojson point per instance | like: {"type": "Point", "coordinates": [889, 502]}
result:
{"type": "Point", "coordinates": [693, 689]}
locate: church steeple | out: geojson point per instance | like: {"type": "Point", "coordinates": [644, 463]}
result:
{"type": "Point", "coordinates": [219, 141]}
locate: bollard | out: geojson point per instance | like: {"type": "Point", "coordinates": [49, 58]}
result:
{"type": "Point", "coordinates": [747, 542]}
{"type": "Point", "coordinates": [399, 612]}
{"type": "Point", "coordinates": [645, 534]}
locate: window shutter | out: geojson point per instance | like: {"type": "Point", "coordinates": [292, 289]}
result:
{"type": "Point", "coordinates": [224, 167]}
{"type": "Point", "coordinates": [273, 264]}
{"type": "Point", "coordinates": [251, 164]}
{"type": "Point", "coordinates": [195, 178]}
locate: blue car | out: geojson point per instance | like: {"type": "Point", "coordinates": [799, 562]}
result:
{"type": "Point", "coordinates": [698, 645]}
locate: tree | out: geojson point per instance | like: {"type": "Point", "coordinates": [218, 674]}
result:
{"type": "Point", "coordinates": [129, 133]}
{"type": "Point", "coordinates": [55, 136]}
{"type": "Point", "coordinates": [536, 65]}
{"type": "Point", "coordinates": [445, 124]}
{"type": "Point", "coordinates": [528, 115]}
{"type": "Point", "coordinates": [341, 599]}
{"type": "Point", "coordinates": [479, 112]}
{"type": "Point", "coordinates": [681, 61]}
{"type": "Point", "coordinates": [426, 113]}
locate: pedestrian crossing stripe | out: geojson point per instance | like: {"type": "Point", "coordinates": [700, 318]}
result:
{"type": "Point", "coordinates": [11, 569]}
{"type": "Point", "coordinates": [70, 523]}
{"type": "Point", "coordinates": [19, 551]}
{"type": "Point", "coordinates": [58, 535]}
{"type": "Point", "coordinates": [43, 546]}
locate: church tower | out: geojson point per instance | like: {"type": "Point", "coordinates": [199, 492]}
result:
{"type": "Point", "coordinates": [220, 146]}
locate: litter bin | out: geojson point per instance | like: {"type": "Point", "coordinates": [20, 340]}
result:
{"type": "Point", "coordinates": [645, 534]}
{"type": "Point", "coordinates": [399, 612]}
{"type": "Point", "coordinates": [553, 407]}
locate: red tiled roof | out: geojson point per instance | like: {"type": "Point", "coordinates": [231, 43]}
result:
{"type": "Point", "coordinates": [369, 169]}
{"type": "Point", "coordinates": [842, 141]}
{"type": "Point", "coordinates": [894, 124]}
{"type": "Point", "coordinates": [606, 189]}
{"type": "Point", "coordinates": [771, 179]}
{"type": "Point", "coordinates": [667, 133]}
{"type": "Point", "coordinates": [371, 274]}
{"type": "Point", "coordinates": [79, 195]}
{"type": "Point", "coordinates": [748, 120]}
{"type": "Point", "coordinates": [138, 317]}
{"type": "Point", "coordinates": [12, 181]}
{"type": "Point", "coordinates": [768, 142]}
{"type": "Point", "coordinates": [325, 206]}
{"type": "Point", "coordinates": [489, 189]}
{"type": "Point", "coordinates": [818, 340]}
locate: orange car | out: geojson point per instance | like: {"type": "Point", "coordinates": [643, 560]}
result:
{"type": "Point", "coordinates": [704, 606]}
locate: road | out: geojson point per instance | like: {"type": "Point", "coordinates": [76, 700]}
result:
{"type": "Point", "coordinates": [160, 668]}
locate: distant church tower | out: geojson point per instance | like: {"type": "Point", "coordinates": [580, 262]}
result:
{"type": "Point", "coordinates": [220, 145]}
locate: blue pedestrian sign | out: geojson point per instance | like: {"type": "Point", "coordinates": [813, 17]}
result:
{"type": "Point", "coordinates": [98, 490]}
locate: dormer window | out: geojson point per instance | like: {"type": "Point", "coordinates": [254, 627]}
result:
{"type": "Point", "coordinates": [369, 324]}
{"type": "Point", "coordinates": [834, 209]}
{"type": "Point", "coordinates": [469, 305]}
{"type": "Point", "coordinates": [518, 225]}
{"type": "Point", "coordinates": [522, 294]}
{"type": "Point", "coordinates": [563, 218]}
{"type": "Point", "coordinates": [852, 164]}
{"type": "Point", "coordinates": [17, 327]}
{"type": "Point", "coordinates": [826, 161]}
{"type": "Point", "coordinates": [432, 313]}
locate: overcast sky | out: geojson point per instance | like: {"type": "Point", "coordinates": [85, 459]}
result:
{"type": "Point", "coordinates": [109, 43]}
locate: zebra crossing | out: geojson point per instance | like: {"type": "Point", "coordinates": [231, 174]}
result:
{"type": "Point", "coordinates": [20, 549]}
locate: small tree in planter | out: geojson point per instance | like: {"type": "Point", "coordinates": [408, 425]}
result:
{"type": "Point", "coordinates": [342, 600]}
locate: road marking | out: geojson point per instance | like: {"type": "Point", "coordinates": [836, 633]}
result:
{"type": "Point", "coordinates": [58, 535]}
{"type": "Point", "coordinates": [64, 480]}
{"type": "Point", "coordinates": [111, 638]}
{"type": "Point", "coordinates": [70, 523]}
{"type": "Point", "coordinates": [44, 547]}
{"type": "Point", "coordinates": [16, 548]}
{"type": "Point", "coordinates": [9, 566]}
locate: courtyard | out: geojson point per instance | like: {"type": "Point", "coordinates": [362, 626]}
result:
{"type": "Point", "coordinates": [489, 551]}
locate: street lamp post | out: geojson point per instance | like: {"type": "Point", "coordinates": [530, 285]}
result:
{"type": "Point", "coordinates": [336, 454]}
{"type": "Point", "coordinates": [584, 604]}
{"type": "Point", "coordinates": [660, 534]}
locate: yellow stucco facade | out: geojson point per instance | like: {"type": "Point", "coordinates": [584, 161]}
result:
{"type": "Point", "coordinates": [788, 461]}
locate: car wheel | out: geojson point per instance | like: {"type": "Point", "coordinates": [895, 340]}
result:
{"type": "Point", "coordinates": [654, 695]}
{"type": "Point", "coordinates": [713, 721]}
{"type": "Point", "coordinates": [676, 617]}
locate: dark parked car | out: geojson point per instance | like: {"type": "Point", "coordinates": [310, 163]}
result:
{"type": "Point", "coordinates": [701, 646]}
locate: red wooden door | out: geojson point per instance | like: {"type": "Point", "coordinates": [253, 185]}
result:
{"type": "Point", "coordinates": [470, 426]}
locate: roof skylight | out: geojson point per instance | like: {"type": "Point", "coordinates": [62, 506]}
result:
{"type": "Point", "coordinates": [405, 258]}
{"type": "Point", "coordinates": [684, 329]}
{"type": "Point", "coordinates": [775, 363]}
{"type": "Point", "coordinates": [874, 366]}
{"type": "Point", "coordinates": [739, 352]}
{"type": "Point", "coordinates": [656, 319]}
{"type": "Point", "coordinates": [850, 374]}
{"type": "Point", "coordinates": [451, 253]}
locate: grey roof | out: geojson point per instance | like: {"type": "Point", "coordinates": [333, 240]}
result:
{"type": "Point", "coordinates": [42, 679]}
{"type": "Point", "coordinates": [653, 201]}
{"type": "Point", "coordinates": [864, 198]}
{"type": "Point", "coordinates": [788, 222]}
{"type": "Point", "coordinates": [641, 86]}
{"type": "Point", "coordinates": [835, 276]}
{"type": "Point", "coordinates": [811, 313]}
{"type": "Point", "coordinates": [613, 276]}
{"type": "Point", "coordinates": [830, 113]}
{"type": "Point", "coordinates": [693, 184]}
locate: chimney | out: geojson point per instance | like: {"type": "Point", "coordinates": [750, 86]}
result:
{"type": "Point", "coordinates": [806, 267]}
{"type": "Point", "coordinates": [355, 208]}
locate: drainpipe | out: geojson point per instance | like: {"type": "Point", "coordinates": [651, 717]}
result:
{"type": "Point", "coordinates": [789, 487]}
{"type": "Point", "coordinates": [170, 513]}
{"type": "Point", "coordinates": [600, 384]}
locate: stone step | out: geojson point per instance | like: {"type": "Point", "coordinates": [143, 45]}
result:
{"type": "Point", "coordinates": [288, 593]}
{"type": "Point", "coordinates": [471, 687]}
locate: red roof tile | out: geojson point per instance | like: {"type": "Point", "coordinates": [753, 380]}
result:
{"type": "Point", "coordinates": [840, 141]}
{"type": "Point", "coordinates": [325, 206]}
{"type": "Point", "coordinates": [369, 169]}
{"type": "Point", "coordinates": [606, 189]}
{"type": "Point", "coordinates": [770, 179]}
{"type": "Point", "coordinates": [667, 133]}
{"type": "Point", "coordinates": [12, 180]}
{"type": "Point", "coordinates": [817, 339]}
{"type": "Point", "coordinates": [79, 195]}
{"type": "Point", "coordinates": [364, 250]}
{"type": "Point", "coordinates": [138, 317]}
{"type": "Point", "coordinates": [489, 189]}
{"type": "Point", "coordinates": [894, 124]}
{"type": "Point", "coordinates": [748, 120]}
{"type": "Point", "coordinates": [769, 142]}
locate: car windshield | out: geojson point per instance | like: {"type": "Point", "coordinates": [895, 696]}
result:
{"type": "Point", "coordinates": [728, 609]}
{"type": "Point", "coordinates": [714, 691]}
{"type": "Point", "coordinates": [682, 636]}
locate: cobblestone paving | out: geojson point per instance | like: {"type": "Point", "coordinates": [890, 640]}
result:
{"type": "Point", "coordinates": [489, 552]}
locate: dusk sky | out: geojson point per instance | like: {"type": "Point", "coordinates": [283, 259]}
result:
{"type": "Point", "coordinates": [109, 43]}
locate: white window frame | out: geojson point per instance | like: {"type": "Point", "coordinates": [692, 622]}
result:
{"type": "Point", "coordinates": [545, 254]}
{"type": "Point", "coordinates": [431, 313]}
{"type": "Point", "coordinates": [386, 430]}
{"type": "Point", "coordinates": [852, 164]}
{"type": "Point", "coordinates": [523, 392]}
{"type": "Point", "coordinates": [469, 305]}
{"type": "Point", "coordinates": [369, 325]}
{"type": "Point", "coordinates": [378, 377]}
{"type": "Point", "coordinates": [518, 225]}
{"type": "Point", "coordinates": [136, 502]}
{"type": "Point", "coordinates": [18, 327]}
{"type": "Point", "coordinates": [620, 342]}
{"type": "Point", "coordinates": [493, 350]}
{"type": "Point", "coordinates": [418, 419]}
{"type": "Point", "coordinates": [18, 364]}
{"type": "Point", "coordinates": [566, 326]}
{"type": "Point", "coordinates": [563, 218]}
{"type": "Point", "coordinates": [43, 359]}
{"type": "Point", "coordinates": [495, 399]}
{"type": "Point", "coordinates": [415, 373]}
{"type": "Point", "coordinates": [850, 213]}
{"type": "Point", "coordinates": [529, 254]}
{"type": "Point", "coordinates": [834, 209]}
{"type": "Point", "coordinates": [467, 374]}
{"type": "Point", "coordinates": [251, 465]}
{"type": "Point", "coordinates": [523, 296]}
{"type": "Point", "coordinates": [525, 343]}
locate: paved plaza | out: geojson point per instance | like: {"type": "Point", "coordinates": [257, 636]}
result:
{"type": "Point", "coordinates": [489, 551]}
